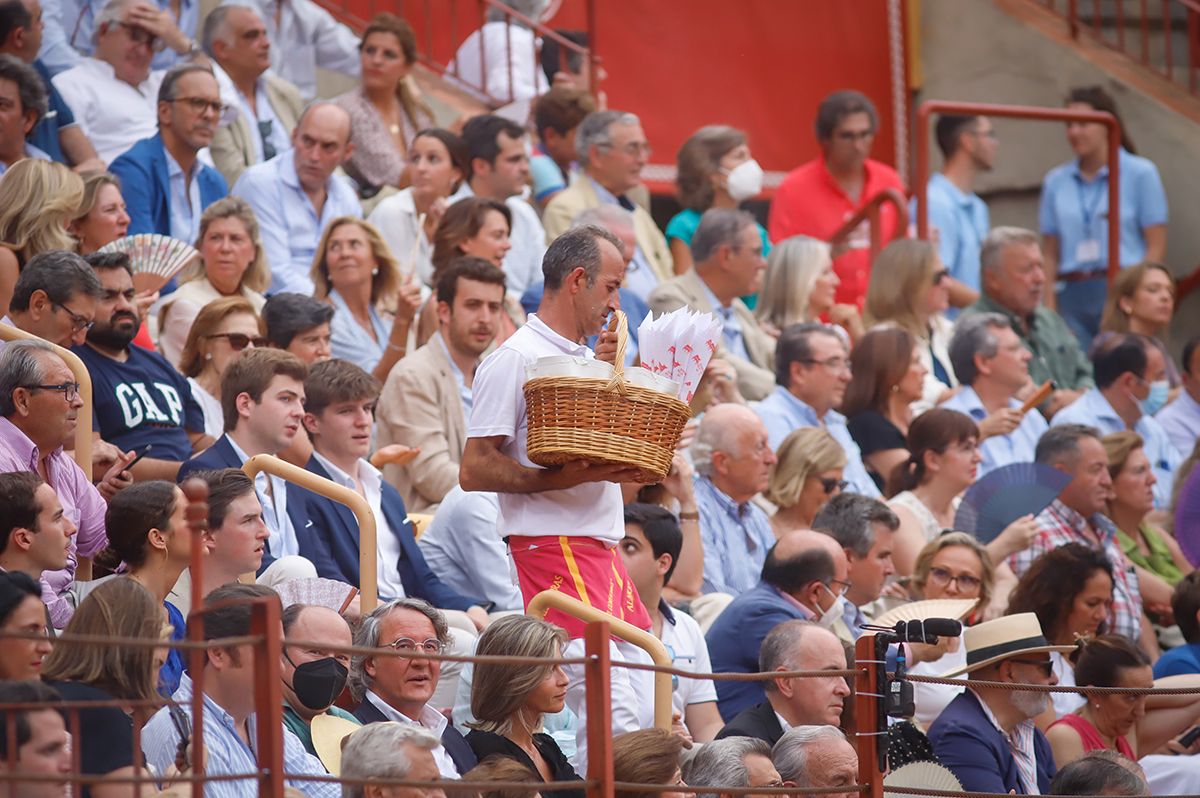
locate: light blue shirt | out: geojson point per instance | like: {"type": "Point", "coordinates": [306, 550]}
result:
{"type": "Point", "coordinates": [464, 390]}
{"type": "Point", "coordinates": [736, 540]}
{"type": "Point", "coordinates": [731, 325]}
{"type": "Point", "coordinates": [1094, 410]}
{"type": "Point", "coordinates": [79, 23]}
{"type": "Point", "coordinates": [1076, 211]}
{"type": "Point", "coordinates": [1017, 446]}
{"type": "Point", "coordinates": [350, 342]}
{"type": "Point", "coordinates": [1181, 421]}
{"type": "Point", "coordinates": [782, 413]}
{"type": "Point", "coordinates": [962, 222]}
{"type": "Point", "coordinates": [639, 277]}
{"type": "Point", "coordinates": [282, 541]}
{"type": "Point", "coordinates": [185, 203]}
{"type": "Point", "coordinates": [289, 224]}
{"type": "Point", "coordinates": [226, 753]}
{"type": "Point", "coordinates": [55, 54]}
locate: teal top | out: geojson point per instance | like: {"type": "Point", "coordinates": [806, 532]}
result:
{"type": "Point", "coordinates": [296, 725]}
{"type": "Point", "coordinates": [683, 226]}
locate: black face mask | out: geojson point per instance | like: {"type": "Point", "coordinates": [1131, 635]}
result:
{"type": "Point", "coordinates": [317, 684]}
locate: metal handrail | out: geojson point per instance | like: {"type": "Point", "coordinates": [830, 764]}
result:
{"type": "Point", "coordinates": [921, 180]}
{"type": "Point", "coordinates": [83, 420]}
{"type": "Point", "coordinates": [870, 212]}
{"type": "Point", "coordinates": [553, 599]}
{"type": "Point", "coordinates": [367, 553]}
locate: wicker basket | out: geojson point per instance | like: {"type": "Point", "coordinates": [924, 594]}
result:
{"type": "Point", "coordinates": [609, 421]}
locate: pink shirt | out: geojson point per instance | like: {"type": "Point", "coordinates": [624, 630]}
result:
{"type": "Point", "coordinates": [81, 502]}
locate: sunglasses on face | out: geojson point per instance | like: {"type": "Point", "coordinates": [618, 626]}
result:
{"type": "Point", "coordinates": [831, 485]}
{"type": "Point", "coordinates": [239, 341]}
{"type": "Point", "coordinates": [1046, 665]}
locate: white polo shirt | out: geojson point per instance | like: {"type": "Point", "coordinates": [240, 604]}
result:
{"type": "Point", "coordinates": [592, 509]}
{"type": "Point", "coordinates": [685, 643]}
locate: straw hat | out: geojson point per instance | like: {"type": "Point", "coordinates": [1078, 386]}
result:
{"type": "Point", "coordinates": [1003, 638]}
{"type": "Point", "coordinates": [328, 731]}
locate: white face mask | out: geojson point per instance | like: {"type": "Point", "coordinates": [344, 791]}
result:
{"type": "Point", "coordinates": [744, 180]}
{"type": "Point", "coordinates": [830, 616]}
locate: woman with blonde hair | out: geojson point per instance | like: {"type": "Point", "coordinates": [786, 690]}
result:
{"type": "Point", "coordinates": [508, 701]}
{"type": "Point", "coordinates": [222, 329]}
{"type": "Point", "coordinates": [800, 285]}
{"type": "Point", "coordinates": [99, 671]}
{"type": "Point", "coordinates": [38, 199]}
{"type": "Point", "coordinates": [101, 217]}
{"type": "Point", "coordinates": [231, 264]}
{"type": "Point", "coordinates": [1142, 301]}
{"type": "Point", "coordinates": [355, 272]}
{"type": "Point", "coordinates": [807, 473]}
{"type": "Point", "coordinates": [385, 110]}
{"type": "Point", "coordinates": [910, 289]}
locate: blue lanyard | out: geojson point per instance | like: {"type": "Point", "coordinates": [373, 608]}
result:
{"type": "Point", "coordinates": [1089, 213]}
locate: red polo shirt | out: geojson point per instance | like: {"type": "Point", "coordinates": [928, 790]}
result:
{"type": "Point", "coordinates": [810, 202]}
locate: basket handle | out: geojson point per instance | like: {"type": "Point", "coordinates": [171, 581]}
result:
{"type": "Point", "coordinates": [620, 324]}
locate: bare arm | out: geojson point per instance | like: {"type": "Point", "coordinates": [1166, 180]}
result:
{"type": "Point", "coordinates": [1066, 744]}
{"type": "Point", "coordinates": [79, 150]}
{"type": "Point", "coordinates": [485, 467]}
{"type": "Point", "coordinates": [961, 295]}
{"type": "Point", "coordinates": [883, 461]}
{"type": "Point", "coordinates": [200, 441]}
{"type": "Point", "coordinates": [688, 576]}
{"type": "Point", "coordinates": [703, 720]}
{"type": "Point", "coordinates": [1156, 242]}
{"type": "Point", "coordinates": [1167, 715]}
{"type": "Point", "coordinates": [150, 468]}
{"type": "Point", "coordinates": [681, 254]}
{"type": "Point", "coordinates": [1050, 256]}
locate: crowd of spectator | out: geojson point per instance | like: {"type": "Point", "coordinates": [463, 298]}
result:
{"type": "Point", "coordinates": [371, 284]}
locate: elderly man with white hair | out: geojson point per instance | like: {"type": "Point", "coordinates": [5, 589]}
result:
{"type": "Point", "coordinates": [736, 762]}
{"type": "Point", "coordinates": [816, 758]}
{"type": "Point", "coordinates": [386, 751]}
{"type": "Point", "coordinates": [733, 462]}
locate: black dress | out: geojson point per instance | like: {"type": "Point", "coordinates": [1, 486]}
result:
{"type": "Point", "coordinates": [105, 736]}
{"type": "Point", "coordinates": [873, 432]}
{"type": "Point", "coordinates": [486, 744]}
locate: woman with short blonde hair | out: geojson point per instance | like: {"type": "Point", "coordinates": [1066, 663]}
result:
{"type": "Point", "coordinates": [807, 473]}
{"type": "Point", "coordinates": [101, 217]}
{"type": "Point", "coordinates": [38, 199]}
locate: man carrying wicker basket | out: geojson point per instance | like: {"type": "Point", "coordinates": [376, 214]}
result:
{"type": "Point", "coordinates": [562, 524]}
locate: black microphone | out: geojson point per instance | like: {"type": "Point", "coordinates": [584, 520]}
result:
{"type": "Point", "coordinates": [927, 630]}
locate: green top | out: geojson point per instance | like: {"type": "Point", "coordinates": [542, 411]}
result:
{"type": "Point", "coordinates": [1056, 352]}
{"type": "Point", "coordinates": [1159, 561]}
{"type": "Point", "coordinates": [296, 725]}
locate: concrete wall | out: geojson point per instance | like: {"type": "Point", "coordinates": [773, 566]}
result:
{"type": "Point", "coordinates": [973, 50]}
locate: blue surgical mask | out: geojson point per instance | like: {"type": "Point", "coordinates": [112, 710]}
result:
{"type": "Point", "coordinates": [1154, 401]}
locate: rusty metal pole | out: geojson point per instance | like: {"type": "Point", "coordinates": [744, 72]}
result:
{"type": "Point", "coordinates": [598, 683]}
{"type": "Point", "coordinates": [266, 624]}
{"type": "Point", "coordinates": [866, 715]}
{"type": "Point", "coordinates": [196, 491]}
{"type": "Point", "coordinates": [1114, 198]}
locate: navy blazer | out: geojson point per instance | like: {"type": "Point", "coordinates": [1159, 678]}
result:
{"type": "Point", "coordinates": [758, 721]}
{"type": "Point", "coordinates": [309, 534]}
{"type": "Point", "coordinates": [455, 744]}
{"type": "Point", "coordinates": [970, 745]}
{"type": "Point", "coordinates": [339, 522]}
{"type": "Point", "coordinates": [145, 185]}
{"type": "Point", "coordinates": [733, 642]}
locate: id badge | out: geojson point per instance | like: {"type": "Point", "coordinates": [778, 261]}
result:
{"type": "Point", "coordinates": [1087, 251]}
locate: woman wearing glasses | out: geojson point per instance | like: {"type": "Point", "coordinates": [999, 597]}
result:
{"type": "Point", "coordinates": [909, 288]}
{"type": "Point", "coordinates": [807, 474]}
{"type": "Point", "coordinates": [232, 264]}
{"type": "Point", "coordinates": [508, 701]}
{"type": "Point", "coordinates": [222, 329]}
{"type": "Point", "coordinates": [888, 375]}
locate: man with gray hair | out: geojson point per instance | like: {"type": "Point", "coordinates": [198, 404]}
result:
{"type": "Point", "coordinates": [266, 107]}
{"type": "Point", "coordinates": [382, 751]}
{"type": "Point", "coordinates": [392, 687]}
{"type": "Point", "coordinates": [992, 367]}
{"type": "Point", "coordinates": [612, 152]}
{"type": "Point", "coordinates": [816, 758]}
{"type": "Point", "coordinates": [39, 400]}
{"type": "Point", "coordinates": [1014, 280]}
{"type": "Point", "coordinates": [55, 298]}
{"type": "Point", "coordinates": [864, 528]}
{"type": "Point", "coordinates": [735, 762]}
{"type": "Point", "coordinates": [727, 252]}
{"type": "Point", "coordinates": [24, 99]}
{"type": "Point", "coordinates": [165, 184]}
{"type": "Point", "coordinates": [733, 464]}
{"type": "Point", "coordinates": [812, 370]}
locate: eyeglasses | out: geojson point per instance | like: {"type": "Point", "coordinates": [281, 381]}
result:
{"type": "Point", "coordinates": [143, 36]}
{"type": "Point", "coordinates": [1046, 665]}
{"type": "Point", "coordinates": [239, 341]}
{"type": "Point", "coordinates": [70, 390]}
{"type": "Point", "coordinates": [633, 148]}
{"type": "Point", "coordinates": [407, 644]}
{"type": "Point", "coordinates": [77, 322]}
{"type": "Point", "coordinates": [264, 133]}
{"type": "Point", "coordinates": [199, 104]}
{"type": "Point", "coordinates": [942, 578]}
{"type": "Point", "coordinates": [841, 584]}
{"type": "Point", "coordinates": [850, 135]}
{"type": "Point", "coordinates": [831, 363]}
{"type": "Point", "coordinates": [829, 485]}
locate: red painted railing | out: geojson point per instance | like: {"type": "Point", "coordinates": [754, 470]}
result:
{"type": "Point", "coordinates": [871, 213]}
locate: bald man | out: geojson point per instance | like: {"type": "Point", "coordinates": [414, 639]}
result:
{"type": "Point", "coordinates": [804, 578]}
{"type": "Point", "coordinates": [733, 463]}
{"type": "Point", "coordinates": [296, 194]}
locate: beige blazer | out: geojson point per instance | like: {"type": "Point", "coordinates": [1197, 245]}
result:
{"type": "Point", "coordinates": [420, 406]}
{"type": "Point", "coordinates": [233, 146]}
{"type": "Point", "coordinates": [580, 196]}
{"type": "Point", "coordinates": [756, 377]}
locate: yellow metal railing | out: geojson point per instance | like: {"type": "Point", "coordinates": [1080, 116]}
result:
{"type": "Point", "coordinates": [367, 554]}
{"type": "Point", "coordinates": [552, 599]}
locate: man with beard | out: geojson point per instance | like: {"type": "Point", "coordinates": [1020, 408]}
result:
{"type": "Point", "coordinates": [138, 398]}
{"type": "Point", "coordinates": [987, 735]}
{"type": "Point", "coordinates": [427, 397]}
{"type": "Point", "coordinates": [165, 186]}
